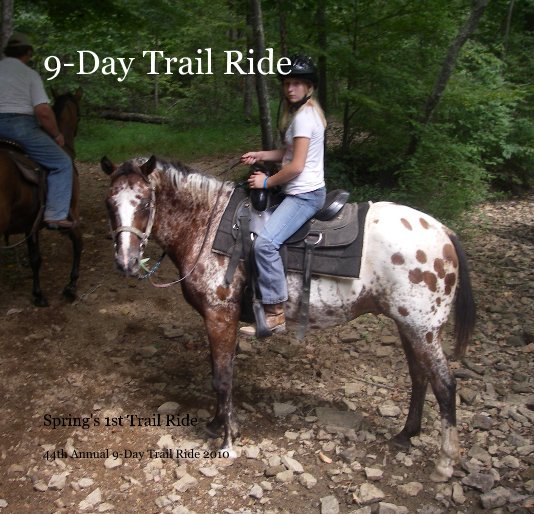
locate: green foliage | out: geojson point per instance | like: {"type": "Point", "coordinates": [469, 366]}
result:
{"type": "Point", "coordinates": [382, 58]}
{"type": "Point", "coordinates": [388, 58]}
{"type": "Point", "coordinates": [443, 178]}
{"type": "Point", "coordinates": [120, 141]}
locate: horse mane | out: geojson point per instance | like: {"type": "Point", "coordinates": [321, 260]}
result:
{"type": "Point", "coordinates": [61, 101]}
{"type": "Point", "coordinates": [202, 187]}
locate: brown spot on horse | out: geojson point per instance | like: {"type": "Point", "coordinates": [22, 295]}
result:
{"type": "Point", "coordinates": [397, 258]}
{"type": "Point", "coordinates": [415, 275]}
{"type": "Point", "coordinates": [450, 255]}
{"type": "Point", "coordinates": [439, 267]}
{"type": "Point", "coordinates": [406, 223]}
{"type": "Point", "coordinates": [420, 256]}
{"type": "Point", "coordinates": [450, 280]}
{"type": "Point", "coordinates": [429, 336]}
{"type": "Point", "coordinates": [431, 280]}
{"type": "Point", "coordinates": [222, 293]}
{"type": "Point", "coordinates": [424, 223]}
{"type": "Point", "coordinates": [403, 311]}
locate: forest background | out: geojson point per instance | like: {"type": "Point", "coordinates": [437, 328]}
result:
{"type": "Point", "coordinates": [430, 101]}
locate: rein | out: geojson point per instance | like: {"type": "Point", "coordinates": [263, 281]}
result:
{"type": "Point", "coordinates": [174, 282]}
{"type": "Point", "coordinates": [33, 231]}
{"type": "Point", "coordinates": [158, 263]}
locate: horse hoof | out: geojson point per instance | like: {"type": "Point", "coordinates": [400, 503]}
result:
{"type": "Point", "coordinates": [212, 430]}
{"type": "Point", "coordinates": [40, 301]}
{"type": "Point", "coordinates": [228, 453]}
{"type": "Point", "coordinates": [443, 471]}
{"type": "Point", "coordinates": [438, 477]}
{"type": "Point", "coordinates": [400, 441]}
{"type": "Point", "coordinates": [69, 294]}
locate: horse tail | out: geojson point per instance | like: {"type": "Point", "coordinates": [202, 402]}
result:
{"type": "Point", "coordinates": [464, 308]}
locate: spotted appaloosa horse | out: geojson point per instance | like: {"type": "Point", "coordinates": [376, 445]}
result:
{"type": "Point", "coordinates": [413, 271]}
{"type": "Point", "coordinates": [19, 204]}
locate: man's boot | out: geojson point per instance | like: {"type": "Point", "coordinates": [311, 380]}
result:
{"type": "Point", "coordinates": [274, 318]}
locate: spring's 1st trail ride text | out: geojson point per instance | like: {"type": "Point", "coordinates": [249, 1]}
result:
{"type": "Point", "coordinates": [156, 420]}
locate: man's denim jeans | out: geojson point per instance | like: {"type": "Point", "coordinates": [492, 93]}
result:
{"type": "Point", "coordinates": [288, 217]}
{"type": "Point", "coordinates": [25, 130]}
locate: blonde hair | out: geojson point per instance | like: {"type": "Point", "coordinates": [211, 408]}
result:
{"type": "Point", "coordinates": [287, 116]}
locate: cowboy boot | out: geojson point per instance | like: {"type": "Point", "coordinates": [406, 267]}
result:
{"type": "Point", "coordinates": [274, 318]}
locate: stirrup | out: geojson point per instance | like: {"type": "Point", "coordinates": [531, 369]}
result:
{"type": "Point", "coordinates": [262, 327]}
{"type": "Point", "coordinates": [250, 330]}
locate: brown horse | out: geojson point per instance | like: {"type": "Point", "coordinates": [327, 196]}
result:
{"type": "Point", "coordinates": [413, 270]}
{"type": "Point", "coordinates": [19, 201]}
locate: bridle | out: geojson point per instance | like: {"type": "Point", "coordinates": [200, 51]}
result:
{"type": "Point", "coordinates": [143, 236]}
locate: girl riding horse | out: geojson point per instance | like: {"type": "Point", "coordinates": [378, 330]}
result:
{"type": "Point", "coordinates": [302, 179]}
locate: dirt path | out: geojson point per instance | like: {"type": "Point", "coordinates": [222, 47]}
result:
{"type": "Point", "coordinates": [124, 349]}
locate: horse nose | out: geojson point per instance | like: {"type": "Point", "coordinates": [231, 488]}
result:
{"type": "Point", "coordinates": [133, 265]}
{"type": "Point", "coordinates": [129, 266]}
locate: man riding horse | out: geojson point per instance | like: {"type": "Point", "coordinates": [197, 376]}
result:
{"type": "Point", "coordinates": [27, 118]}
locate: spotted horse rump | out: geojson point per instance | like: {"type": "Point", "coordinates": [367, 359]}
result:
{"type": "Point", "coordinates": [413, 270]}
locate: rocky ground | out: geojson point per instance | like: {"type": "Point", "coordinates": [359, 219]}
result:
{"type": "Point", "coordinates": [315, 415]}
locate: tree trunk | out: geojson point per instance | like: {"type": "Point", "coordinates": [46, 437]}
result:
{"type": "Point", "coordinates": [261, 82]}
{"type": "Point", "coordinates": [507, 29]}
{"type": "Point", "coordinates": [283, 29]}
{"type": "Point", "coordinates": [477, 10]}
{"type": "Point", "coordinates": [7, 23]}
{"type": "Point", "coordinates": [247, 98]}
{"type": "Point", "coordinates": [248, 91]}
{"type": "Point", "coordinates": [351, 83]}
{"type": "Point", "coordinates": [321, 43]}
{"type": "Point", "coordinates": [156, 83]}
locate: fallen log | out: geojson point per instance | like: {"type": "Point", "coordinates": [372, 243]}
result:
{"type": "Point", "coordinates": [133, 116]}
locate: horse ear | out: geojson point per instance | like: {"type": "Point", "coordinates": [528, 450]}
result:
{"type": "Point", "coordinates": [107, 166]}
{"type": "Point", "coordinates": [78, 93]}
{"type": "Point", "coordinates": [149, 166]}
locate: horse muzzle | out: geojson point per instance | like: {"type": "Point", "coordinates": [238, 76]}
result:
{"type": "Point", "coordinates": [128, 265]}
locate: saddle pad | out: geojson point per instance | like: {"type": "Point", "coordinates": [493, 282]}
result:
{"type": "Point", "coordinates": [29, 169]}
{"type": "Point", "coordinates": [341, 260]}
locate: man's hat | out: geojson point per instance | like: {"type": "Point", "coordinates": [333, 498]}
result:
{"type": "Point", "coordinates": [18, 39]}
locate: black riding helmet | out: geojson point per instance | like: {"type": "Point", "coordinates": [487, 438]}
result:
{"type": "Point", "coordinates": [302, 67]}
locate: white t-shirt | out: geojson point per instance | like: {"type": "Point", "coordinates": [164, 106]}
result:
{"type": "Point", "coordinates": [306, 123]}
{"type": "Point", "coordinates": [21, 88]}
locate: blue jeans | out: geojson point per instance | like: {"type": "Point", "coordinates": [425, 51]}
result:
{"type": "Point", "coordinates": [25, 130]}
{"type": "Point", "coordinates": [289, 216]}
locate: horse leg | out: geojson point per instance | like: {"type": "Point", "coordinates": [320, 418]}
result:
{"type": "Point", "coordinates": [34, 255]}
{"type": "Point", "coordinates": [427, 361]}
{"type": "Point", "coordinates": [75, 235]}
{"type": "Point", "coordinates": [419, 378]}
{"type": "Point", "coordinates": [444, 388]}
{"type": "Point", "coordinates": [222, 338]}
